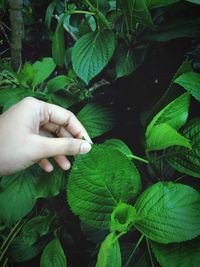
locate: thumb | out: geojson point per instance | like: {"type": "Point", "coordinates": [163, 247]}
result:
{"type": "Point", "coordinates": [46, 147]}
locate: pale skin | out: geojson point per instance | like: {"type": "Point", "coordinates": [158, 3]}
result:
{"type": "Point", "coordinates": [33, 131]}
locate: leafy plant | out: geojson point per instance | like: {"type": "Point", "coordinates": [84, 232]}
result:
{"type": "Point", "coordinates": [130, 210]}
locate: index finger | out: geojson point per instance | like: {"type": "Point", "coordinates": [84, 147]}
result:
{"type": "Point", "coordinates": [68, 120]}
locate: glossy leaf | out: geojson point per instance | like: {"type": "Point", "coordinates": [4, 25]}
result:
{"type": "Point", "coordinates": [91, 53]}
{"type": "Point", "coordinates": [169, 213]}
{"type": "Point", "coordinates": [97, 183]}
{"type": "Point", "coordinates": [185, 160]}
{"type": "Point", "coordinates": [96, 119]}
{"type": "Point", "coordinates": [119, 145]}
{"type": "Point", "coordinates": [191, 82]}
{"type": "Point", "coordinates": [180, 254]}
{"type": "Point", "coordinates": [163, 136]}
{"type": "Point", "coordinates": [53, 255]}
{"type": "Point", "coordinates": [109, 254]}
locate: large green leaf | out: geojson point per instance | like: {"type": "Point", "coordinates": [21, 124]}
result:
{"type": "Point", "coordinates": [17, 196]}
{"type": "Point", "coordinates": [163, 136]}
{"type": "Point", "coordinates": [169, 213]}
{"type": "Point", "coordinates": [109, 254]}
{"type": "Point", "coordinates": [53, 255]}
{"type": "Point", "coordinates": [119, 145]}
{"type": "Point", "coordinates": [57, 83]}
{"type": "Point", "coordinates": [194, 1]}
{"type": "Point", "coordinates": [34, 229]}
{"type": "Point", "coordinates": [174, 114]}
{"type": "Point", "coordinates": [191, 82]}
{"type": "Point", "coordinates": [96, 119]}
{"type": "Point", "coordinates": [91, 53]}
{"type": "Point", "coordinates": [43, 70]}
{"type": "Point", "coordinates": [160, 3]}
{"type": "Point", "coordinates": [185, 160]}
{"type": "Point", "coordinates": [183, 254]}
{"type": "Point", "coordinates": [58, 45]}
{"type": "Point", "coordinates": [98, 182]}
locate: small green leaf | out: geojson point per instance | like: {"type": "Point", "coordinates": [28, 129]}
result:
{"type": "Point", "coordinates": [109, 254]}
{"type": "Point", "coordinates": [53, 255]}
{"type": "Point", "coordinates": [17, 196]}
{"type": "Point", "coordinates": [163, 136]}
{"type": "Point", "coordinates": [96, 119]}
{"type": "Point", "coordinates": [58, 46]}
{"type": "Point", "coordinates": [97, 183]}
{"type": "Point", "coordinates": [160, 3]}
{"type": "Point", "coordinates": [191, 82]}
{"type": "Point", "coordinates": [119, 145]}
{"type": "Point", "coordinates": [194, 1]}
{"type": "Point", "coordinates": [34, 229]}
{"type": "Point", "coordinates": [91, 53]}
{"type": "Point", "coordinates": [183, 254]}
{"type": "Point", "coordinates": [122, 217]}
{"type": "Point", "coordinates": [58, 83]}
{"type": "Point", "coordinates": [169, 213]}
{"type": "Point", "coordinates": [185, 160]}
{"type": "Point", "coordinates": [43, 70]}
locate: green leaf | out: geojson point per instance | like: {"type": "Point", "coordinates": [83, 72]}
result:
{"type": "Point", "coordinates": [62, 99]}
{"type": "Point", "coordinates": [122, 217]}
{"type": "Point", "coordinates": [92, 52]}
{"type": "Point", "coordinates": [49, 13]}
{"type": "Point", "coordinates": [58, 45]}
{"type": "Point", "coordinates": [176, 255]}
{"type": "Point", "coordinates": [125, 61]}
{"type": "Point", "coordinates": [49, 184]}
{"type": "Point", "coordinates": [11, 96]}
{"type": "Point", "coordinates": [191, 82]}
{"type": "Point", "coordinates": [194, 1]}
{"type": "Point", "coordinates": [97, 183]}
{"type": "Point", "coordinates": [34, 229]}
{"type": "Point", "coordinates": [163, 136]}
{"type": "Point", "coordinates": [119, 145]}
{"type": "Point", "coordinates": [185, 160]}
{"type": "Point", "coordinates": [20, 250]}
{"type": "Point", "coordinates": [17, 196]}
{"type": "Point", "coordinates": [43, 70]}
{"type": "Point", "coordinates": [160, 3]}
{"type": "Point", "coordinates": [174, 114]}
{"type": "Point", "coordinates": [109, 254]}
{"type": "Point", "coordinates": [53, 255]}
{"type": "Point", "coordinates": [57, 83]}
{"type": "Point", "coordinates": [173, 29]}
{"type": "Point", "coordinates": [169, 213]}
{"type": "Point", "coordinates": [96, 119]}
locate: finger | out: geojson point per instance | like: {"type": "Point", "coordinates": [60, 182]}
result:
{"type": "Point", "coordinates": [45, 165]}
{"type": "Point", "coordinates": [57, 129]}
{"type": "Point", "coordinates": [68, 120]}
{"type": "Point", "coordinates": [63, 162]}
{"type": "Point", "coordinates": [45, 147]}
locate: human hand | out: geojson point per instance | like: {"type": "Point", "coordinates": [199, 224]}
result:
{"type": "Point", "coordinates": [26, 136]}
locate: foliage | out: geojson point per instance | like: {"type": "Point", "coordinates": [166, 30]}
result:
{"type": "Point", "coordinates": [111, 191]}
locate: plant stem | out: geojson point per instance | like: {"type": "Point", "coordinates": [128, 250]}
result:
{"type": "Point", "coordinates": [66, 28]}
{"type": "Point", "coordinates": [98, 13]}
{"type": "Point", "coordinates": [139, 159]}
{"type": "Point", "coordinates": [135, 248]}
{"type": "Point", "coordinates": [16, 21]}
{"type": "Point", "coordinates": [150, 255]}
{"type": "Point", "coordinates": [179, 178]}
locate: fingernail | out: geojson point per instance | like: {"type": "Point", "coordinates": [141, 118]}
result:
{"type": "Point", "coordinates": [66, 166]}
{"type": "Point", "coordinates": [85, 147]}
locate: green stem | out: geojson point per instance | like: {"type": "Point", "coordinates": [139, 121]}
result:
{"type": "Point", "coordinates": [98, 13]}
{"type": "Point", "coordinates": [139, 159]}
{"type": "Point", "coordinates": [134, 250]}
{"type": "Point", "coordinates": [179, 178]}
{"type": "Point", "coordinates": [150, 255]}
{"type": "Point", "coordinates": [71, 12]}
